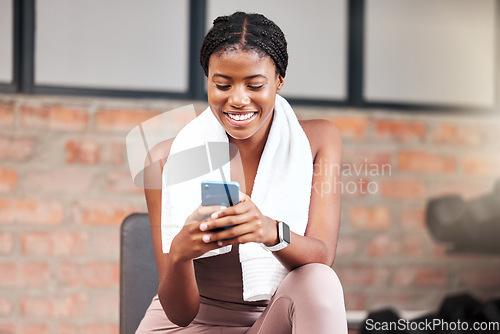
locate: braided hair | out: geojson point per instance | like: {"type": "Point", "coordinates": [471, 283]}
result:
{"type": "Point", "coordinates": [243, 31]}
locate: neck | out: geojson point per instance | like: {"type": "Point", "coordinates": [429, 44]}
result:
{"type": "Point", "coordinates": [254, 145]}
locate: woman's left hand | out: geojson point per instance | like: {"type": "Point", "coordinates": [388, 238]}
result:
{"type": "Point", "coordinates": [248, 225]}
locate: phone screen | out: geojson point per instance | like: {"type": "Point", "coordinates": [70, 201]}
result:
{"type": "Point", "coordinates": [220, 193]}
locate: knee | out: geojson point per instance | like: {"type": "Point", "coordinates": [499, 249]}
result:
{"type": "Point", "coordinates": [316, 282]}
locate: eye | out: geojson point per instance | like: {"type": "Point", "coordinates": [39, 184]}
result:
{"type": "Point", "coordinates": [222, 87]}
{"type": "Point", "coordinates": [255, 87]}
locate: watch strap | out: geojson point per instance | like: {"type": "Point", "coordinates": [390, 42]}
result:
{"type": "Point", "coordinates": [282, 238]}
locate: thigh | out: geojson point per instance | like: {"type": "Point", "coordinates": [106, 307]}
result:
{"type": "Point", "coordinates": [155, 321]}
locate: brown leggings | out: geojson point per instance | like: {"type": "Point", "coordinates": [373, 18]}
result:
{"type": "Point", "coordinates": [309, 300]}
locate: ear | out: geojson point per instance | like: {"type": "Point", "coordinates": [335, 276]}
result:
{"type": "Point", "coordinates": [281, 82]}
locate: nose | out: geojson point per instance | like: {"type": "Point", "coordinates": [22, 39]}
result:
{"type": "Point", "coordinates": [238, 99]}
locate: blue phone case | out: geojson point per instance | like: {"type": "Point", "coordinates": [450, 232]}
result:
{"type": "Point", "coordinates": [220, 193]}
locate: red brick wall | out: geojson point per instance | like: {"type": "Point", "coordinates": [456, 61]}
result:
{"type": "Point", "coordinates": [65, 187]}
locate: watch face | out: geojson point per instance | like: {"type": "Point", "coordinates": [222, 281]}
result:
{"type": "Point", "coordinates": [286, 233]}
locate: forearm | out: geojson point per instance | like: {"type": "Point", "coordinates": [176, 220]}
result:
{"type": "Point", "coordinates": [318, 246]}
{"type": "Point", "coordinates": [178, 291]}
{"type": "Point", "coordinates": [303, 250]}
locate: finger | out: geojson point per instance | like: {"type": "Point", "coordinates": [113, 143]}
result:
{"type": "Point", "coordinates": [237, 209]}
{"type": "Point", "coordinates": [208, 247]}
{"type": "Point", "coordinates": [210, 239]}
{"type": "Point", "coordinates": [232, 227]}
{"type": "Point", "coordinates": [205, 242]}
{"type": "Point", "coordinates": [203, 212]}
{"type": "Point", "coordinates": [229, 220]}
{"type": "Point", "coordinates": [242, 239]}
{"type": "Point", "coordinates": [234, 232]}
{"type": "Point", "coordinates": [207, 210]}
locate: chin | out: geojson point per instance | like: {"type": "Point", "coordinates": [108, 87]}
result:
{"type": "Point", "coordinates": [240, 136]}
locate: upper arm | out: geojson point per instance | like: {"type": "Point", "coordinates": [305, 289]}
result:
{"type": "Point", "coordinates": [324, 208]}
{"type": "Point", "coordinates": [153, 168]}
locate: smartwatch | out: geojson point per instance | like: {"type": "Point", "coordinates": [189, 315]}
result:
{"type": "Point", "coordinates": [283, 236]}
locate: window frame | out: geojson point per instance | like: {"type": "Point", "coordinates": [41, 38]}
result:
{"type": "Point", "coordinates": [23, 62]}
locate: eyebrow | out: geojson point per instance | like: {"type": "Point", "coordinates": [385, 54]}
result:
{"type": "Point", "coordinates": [249, 77]}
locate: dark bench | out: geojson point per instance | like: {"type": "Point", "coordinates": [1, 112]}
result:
{"type": "Point", "coordinates": [138, 274]}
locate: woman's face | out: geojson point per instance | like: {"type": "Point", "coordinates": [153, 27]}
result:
{"type": "Point", "coordinates": [242, 88]}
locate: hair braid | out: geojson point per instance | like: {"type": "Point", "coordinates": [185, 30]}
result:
{"type": "Point", "coordinates": [247, 32]}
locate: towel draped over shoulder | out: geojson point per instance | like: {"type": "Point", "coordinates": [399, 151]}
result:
{"type": "Point", "coordinates": [281, 190]}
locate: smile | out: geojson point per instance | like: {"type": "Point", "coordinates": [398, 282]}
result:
{"type": "Point", "coordinates": [240, 119]}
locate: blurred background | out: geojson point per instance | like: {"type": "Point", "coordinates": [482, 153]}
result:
{"type": "Point", "coordinates": [413, 86]}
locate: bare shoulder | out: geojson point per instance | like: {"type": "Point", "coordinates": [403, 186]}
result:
{"type": "Point", "coordinates": [159, 152]}
{"type": "Point", "coordinates": [153, 164]}
{"type": "Point", "coordinates": [322, 134]}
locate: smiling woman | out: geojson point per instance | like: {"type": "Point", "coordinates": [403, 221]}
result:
{"type": "Point", "coordinates": [277, 277]}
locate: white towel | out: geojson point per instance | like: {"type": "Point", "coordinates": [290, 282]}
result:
{"type": "Point", "coordinates": [281, 191]}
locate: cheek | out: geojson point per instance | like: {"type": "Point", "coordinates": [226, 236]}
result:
{"type": "Point", "coordinates": [266, 98]}
{"type": "Point", "coordinates": [215, 96]}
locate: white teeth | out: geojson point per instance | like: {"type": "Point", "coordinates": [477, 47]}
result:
{"type": "Point", "coordinates": [241, 117]}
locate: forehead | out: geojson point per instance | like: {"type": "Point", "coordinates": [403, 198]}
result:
{"type": "Point", "coordinates": [240, 62]}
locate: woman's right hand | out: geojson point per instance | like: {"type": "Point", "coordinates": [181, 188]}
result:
{"type": "Point", "coordinates": [188, 244]}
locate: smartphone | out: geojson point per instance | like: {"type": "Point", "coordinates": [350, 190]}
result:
{"type": "Point", "coordinates": [220, 193]}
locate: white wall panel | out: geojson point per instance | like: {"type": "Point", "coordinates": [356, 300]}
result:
{"type": "Point", "coordinates": [112, 44]}
{"type": "Point", "coordinates": [430, 52]}
{"type": "Point", "coordinates": [6, 41]}
{"type": "Point", "coordinates": [316, 32]}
